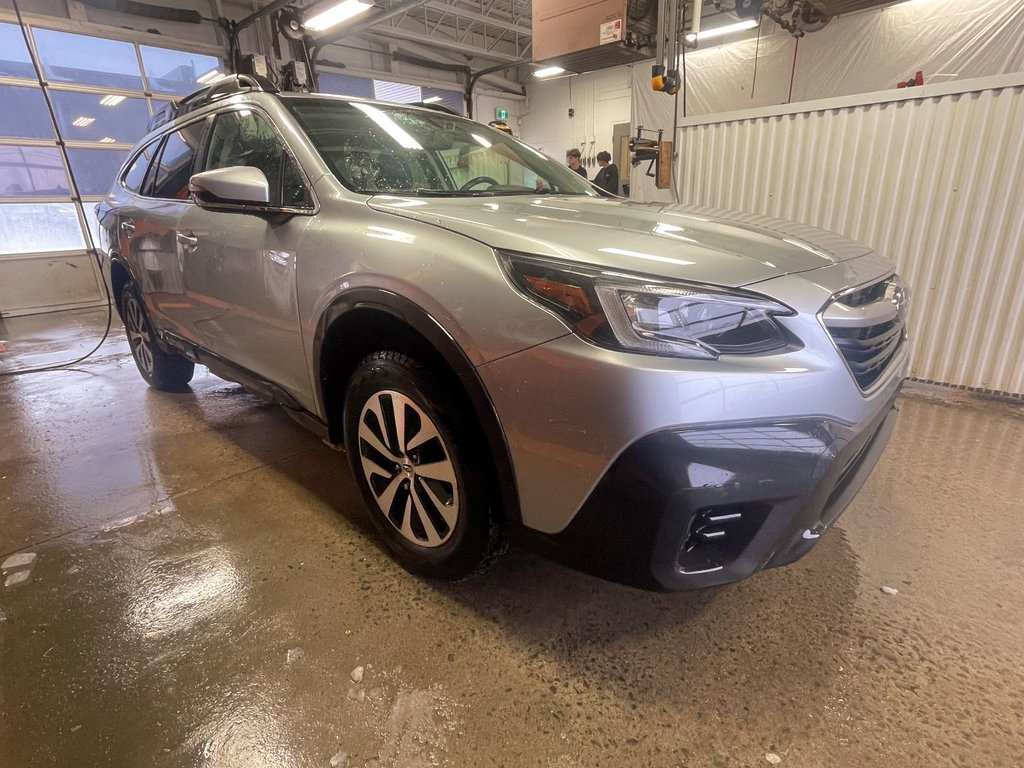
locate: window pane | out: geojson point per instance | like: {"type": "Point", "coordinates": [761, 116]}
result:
{"type": "Point", "coordinates": [70, 58]}
{"type": "Point", "coordinates": [24, 114]}
{"type": "Point", "coordinates": [100, 116]}
{"type": "Point", "coordinates": [345, 85]}
{"type": "Point", "coordinates": [30, 171]}
{"type": "Point", "coordinates": [14, 58]}
{"type": "Point", "coordinates": [176, 162]}
{"type": "Point", "coordinates": [176, 72]}
{"type": "Point", "coordinates": [39, 228]}
{"type": "Point", "coordinates": [95, 169]}
{"type": "Point", "coordinates": [133, 179]}
{"type": "Point", "coordinates": [453, 100]}
{"type": "Point", "coordinates": [244, 138]}
{"type": "Point", "coordinates": [400, 92]}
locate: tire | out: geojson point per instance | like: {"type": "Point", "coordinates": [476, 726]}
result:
{"type": "Point", "coordinates": [428, 490]}
{"type": "Point", "coordinates": [165, 371]}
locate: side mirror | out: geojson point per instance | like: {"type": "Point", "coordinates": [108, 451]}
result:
{"type": "Point", "coordinates": [233, 188]}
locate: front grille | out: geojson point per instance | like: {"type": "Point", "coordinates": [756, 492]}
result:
{"type": "Point", "coordinates": [868, 328]}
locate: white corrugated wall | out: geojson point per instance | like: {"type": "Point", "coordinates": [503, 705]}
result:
{"type": "Point", "coordinates": [935, 183]}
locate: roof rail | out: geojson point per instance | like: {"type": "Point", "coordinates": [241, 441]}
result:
{"type": "Point", "coordinates": [221, 88]}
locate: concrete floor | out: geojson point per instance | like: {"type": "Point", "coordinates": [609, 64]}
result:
{"type": "Point", "coordinates": [206, 581]}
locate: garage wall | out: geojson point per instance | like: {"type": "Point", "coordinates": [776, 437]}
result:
{"type": "Point", "coordinates": [600, 100]}
{"type": "Point", "coordinates": [932, 178]}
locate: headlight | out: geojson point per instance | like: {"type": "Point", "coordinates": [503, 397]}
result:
{"type": "Point", "coordinates": [640, 314]}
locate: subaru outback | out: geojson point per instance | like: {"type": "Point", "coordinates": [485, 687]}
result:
{"type": "Point", "coordinates": [668, 396]}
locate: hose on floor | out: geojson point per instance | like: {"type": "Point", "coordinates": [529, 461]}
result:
{"type": "Point", "coordinates": [76, 198]}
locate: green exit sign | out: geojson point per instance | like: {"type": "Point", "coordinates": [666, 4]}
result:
{"type": "Point", "coordinates": [500, 113]}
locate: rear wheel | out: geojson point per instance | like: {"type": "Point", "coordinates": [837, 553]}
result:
{"type": "Point", "coordinates": [161, 370]}
{"type": "Point", "coordinates": [420, 468]}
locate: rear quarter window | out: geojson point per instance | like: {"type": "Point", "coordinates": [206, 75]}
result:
{"type": "Point", "coordinates": [136, 172]}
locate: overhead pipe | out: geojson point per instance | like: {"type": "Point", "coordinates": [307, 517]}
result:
{"type": "Point", "coordinates": [472, 80]}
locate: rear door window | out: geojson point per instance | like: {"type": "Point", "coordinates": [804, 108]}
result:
{"type": "Point", "coordinates": [176, 160]}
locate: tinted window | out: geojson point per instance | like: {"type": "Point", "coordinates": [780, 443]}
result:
{"type": "Point", "coordinates": [72, 58]}
{"type": "Point", "coordinates": [14, 58]}
{"type": "Point", "coordinates": [137, 172]}
{"type": "Point", "coordinates": [176, 72]}
{"type": "Point", "coordinates": [175, 169]}
{"type": "Point", "coordinates": [107, 118]}
{"type": "Point", "coordinates": [32, 171]}
{"type": "Point", "coordinates": [95, 169]}
{"type": "Point", "coordinates": [245, 138]}
{"type": "Point", "coordinates": [24, 114]}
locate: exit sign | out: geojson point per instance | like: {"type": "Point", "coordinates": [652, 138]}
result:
{"type": "Point", "coordinates": [500, 113]}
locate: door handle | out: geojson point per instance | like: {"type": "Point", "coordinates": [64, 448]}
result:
{"type": "Point", "coordinates": [128, 226]}
{"type": "Point", "coordinates": [188, 239]}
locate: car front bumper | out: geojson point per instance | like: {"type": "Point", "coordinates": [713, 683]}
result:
{"type": "Point", "coordinates": [714, 504]}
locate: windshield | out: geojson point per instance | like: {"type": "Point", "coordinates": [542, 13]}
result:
{"type": "Point", "coordinates": [374, 148]}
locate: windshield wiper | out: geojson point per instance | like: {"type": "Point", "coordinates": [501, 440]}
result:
{"type": "Point", "coordinates": [453, 193]}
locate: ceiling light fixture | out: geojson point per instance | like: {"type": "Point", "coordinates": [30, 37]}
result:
{"type": "Point", "coordinates": [337, 13]}
{"type": "Point", "coordinates": [83, 122]}
{"type": "Point", "coordinates": [111, 100]}
{"type": "Point", "coordinates": [728, 29]}
{"type": "Point", "coordinates": [548, 72]}
{"type": "Point", "coordinates": [209, 77]}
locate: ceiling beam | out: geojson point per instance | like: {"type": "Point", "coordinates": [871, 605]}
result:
{"type": "Point", "coordinates": [494, 80]}
{"type": "Point", "coordinates": [440, 42]}
{"type": "Point", "coordinates": [437, 5]}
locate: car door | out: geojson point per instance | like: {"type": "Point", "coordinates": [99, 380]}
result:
{"type": "Point", "coordinates": [245, 261]}
{"type": "Point", "coordinates": [155, 243]}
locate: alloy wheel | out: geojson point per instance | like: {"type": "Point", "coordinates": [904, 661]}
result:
{"type": "Point", "coordinates": [409, 468]}
{"type": "Point", "coordinates": [139, 338]}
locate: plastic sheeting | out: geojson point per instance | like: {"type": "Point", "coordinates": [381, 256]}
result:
{"type": "Point", "coordinates": [858, 53]}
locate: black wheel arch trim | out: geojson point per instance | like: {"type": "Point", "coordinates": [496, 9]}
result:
{"type": "Point", "coordinates": [426, 326]}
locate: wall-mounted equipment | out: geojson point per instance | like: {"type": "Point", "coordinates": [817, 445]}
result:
{"type": "Point", "coordinates": [587, 35]}
{"type": "Point", "coordinates": [798, 17]}
{"type": "Point", "coordinates": [656, 152]}
{"type": "Point", "coordinates": [664, 71]}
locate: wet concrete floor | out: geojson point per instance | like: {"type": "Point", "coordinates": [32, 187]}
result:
{"type": "Point", "coordinates": [205, 583]}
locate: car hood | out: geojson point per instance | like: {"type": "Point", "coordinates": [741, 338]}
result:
{"type": "Point", "coordinates": [689, 243]}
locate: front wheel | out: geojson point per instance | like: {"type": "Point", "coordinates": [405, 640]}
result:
{"type": "Point", "coordinates": [419, 466]}
{"type": "Point", "coordinates": [161, 370]}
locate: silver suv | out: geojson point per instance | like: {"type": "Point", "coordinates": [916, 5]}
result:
{"type": "Point", "coordinates": [667, 396]}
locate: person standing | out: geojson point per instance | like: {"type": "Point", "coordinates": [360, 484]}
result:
{"type": "Point", "coordinates": [608, 177]}
{"type": "Point", "coordinates": [572, 158]}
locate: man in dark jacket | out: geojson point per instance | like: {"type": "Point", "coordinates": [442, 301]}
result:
{"type": "Point", "coordinates": [572, 159]}
{"type": "Point", "coordinates": [608, 177]}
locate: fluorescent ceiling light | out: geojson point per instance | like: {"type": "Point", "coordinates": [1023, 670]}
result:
{"type": "Point", "coordinates": [83, 122]}
{"type": "Point", "coordinates": [432, 100]}
{"type": "Point", "coordinates": [548, 72]}
{"type": "Point", "coordinates": [209, 77]}
{"type": "Point", "coordinates": [728, 29]}
{"type": "Point", "coordinates": [110, 100]}
{"type": "Point", "coordinates": [107, 140]}
{"type": "Point", "coordinates": [393, 129]}
{"type": "Point", "coordinates": [336, 14]}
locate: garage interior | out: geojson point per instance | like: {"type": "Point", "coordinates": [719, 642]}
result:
{"type": "Point", "coordinates": [191, 579]}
